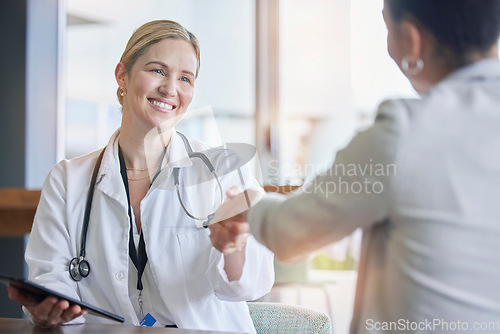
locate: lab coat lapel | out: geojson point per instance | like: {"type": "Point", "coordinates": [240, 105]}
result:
{"type": "Point", "coordinates": [109, 180]}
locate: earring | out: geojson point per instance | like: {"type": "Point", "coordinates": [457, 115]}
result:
{"type": "Point", "coordinates": [405, 64]}
{"type": "Point", "coordinates": [122, 91]}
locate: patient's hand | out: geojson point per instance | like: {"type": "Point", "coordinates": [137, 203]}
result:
{"type": "Point", "coordinates": [229, 228]}
{"type": "Point", "coordinates": [50, 312]}
{"type": "Point", "coordinates": [230, 235]}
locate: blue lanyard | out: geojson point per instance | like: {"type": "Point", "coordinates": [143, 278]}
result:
{"type": "Point", "coordinates": [139, 260]}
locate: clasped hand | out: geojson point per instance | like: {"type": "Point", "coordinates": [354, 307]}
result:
{"type": "Point", "coordinates": [229, 229]}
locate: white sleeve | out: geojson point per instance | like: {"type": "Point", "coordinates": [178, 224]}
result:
{"type": "Point", "coordinates": [256, 280]}
{"type": "Point", "coordinates": [257, 277]}
{"type": "Point", "coordinates": [48, 250]}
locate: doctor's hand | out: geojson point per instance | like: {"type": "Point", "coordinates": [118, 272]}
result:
{"type": "Point", "coordinates": [230, 235]}
{"type": "Point", "coordinates": [50, 312]}
{"type": "Point", "coordinates": [230, 230]}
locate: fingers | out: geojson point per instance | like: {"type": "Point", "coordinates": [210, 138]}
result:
{"type": "Point", "coordinates": [71, 313]}
{"type": "Point", "coordinates": [62, 313]}
{"type": "Point", "coordinates": [229, 229]}
{"type": "Point", "coordinates": [49, 312]}
{"type": "Point", "coordinates": [225, 232]}
{"type": "Point", "coordinates": [40, 312]}
{"type": "Point", "coordinates": [52, 312]}
{"type": "Point", "coordinates": [235, 207]}
{"type": "Point", "coordinates": [219, 236]}
{"type": "Point", "coordinates": [55, 315]}
{"type": "Point", "coordinates": [228, 237]}
{"type": "Point", "coordinates": [237, 227]}
{"type": "Point", "coordinates": [22, 298]}
{"type": "Point", "coordinates": [237, 245]}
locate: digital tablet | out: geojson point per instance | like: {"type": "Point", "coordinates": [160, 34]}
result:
{"type": "Point", "coordinates": [40, 293]}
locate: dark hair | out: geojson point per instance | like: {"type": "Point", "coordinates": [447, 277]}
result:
{"type": "Point", "coordinates": [460, 26]}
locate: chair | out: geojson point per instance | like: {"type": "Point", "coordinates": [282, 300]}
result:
{"type": "Point", "coordinates": [280, 318]}
{"type": "Point", "coordinates": [294, 285]}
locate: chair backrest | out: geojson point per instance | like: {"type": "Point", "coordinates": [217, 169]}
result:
{"type": "Point", "coordinates": [277, 318]}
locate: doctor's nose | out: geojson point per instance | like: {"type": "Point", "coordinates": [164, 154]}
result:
{"type": "Point", "coordinates": [169, 87]}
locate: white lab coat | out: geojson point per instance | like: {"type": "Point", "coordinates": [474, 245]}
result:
{"type": "Point", "coordinates": [187, 270]}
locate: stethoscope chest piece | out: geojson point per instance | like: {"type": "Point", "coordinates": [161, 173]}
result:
{"type": "Point", "coordinates": [79, 268]}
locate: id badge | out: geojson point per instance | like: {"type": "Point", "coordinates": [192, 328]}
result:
{"type": "Point", "coordinates": [148, 321]}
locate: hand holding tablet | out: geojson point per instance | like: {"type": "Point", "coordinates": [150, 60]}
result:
{"type": "Point", "coordinates": [35, 294]}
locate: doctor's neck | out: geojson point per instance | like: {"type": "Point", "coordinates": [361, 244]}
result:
{"type": "Point", "coordinates": [143, 150]}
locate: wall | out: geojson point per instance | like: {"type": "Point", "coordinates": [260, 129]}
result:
{"type": "Point", "coordinates": [12, 264]}
{"type": "Point", "coordinates": [12, 92]}
{"type": "Point", "coordinates": [12, 131]}
{"type": "Point", "coordinates": [28, 116]}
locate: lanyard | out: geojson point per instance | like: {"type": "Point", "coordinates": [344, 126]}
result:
{"type": "Point", "coordinates": [140, 259]}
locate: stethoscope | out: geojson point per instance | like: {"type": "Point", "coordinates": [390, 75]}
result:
{"type": "Point", "coordinates": [79, 267]}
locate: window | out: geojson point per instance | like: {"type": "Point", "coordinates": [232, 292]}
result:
{"type": "Point", "coordinates": [334, 71]}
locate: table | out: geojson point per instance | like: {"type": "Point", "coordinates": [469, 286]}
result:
{"type": "Point", "coordinates": [17, 210]}
{"type": "Point", "coordinates": [16, 326]}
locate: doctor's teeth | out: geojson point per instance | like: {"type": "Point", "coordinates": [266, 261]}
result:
{"type": "Point", "coordinates": [162, 105]}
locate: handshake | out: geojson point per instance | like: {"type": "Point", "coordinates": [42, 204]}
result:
{"type": "Point", "coordinates": [229, 229]}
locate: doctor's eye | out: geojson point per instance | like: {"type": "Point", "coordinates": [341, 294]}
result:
{"type": "Point", "coordinates": [158, 71]}
{"type": "Point", "coordinates": [185, 79]}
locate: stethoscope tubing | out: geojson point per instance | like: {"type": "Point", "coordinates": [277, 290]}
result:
{"type": "Point", "coordinates": [79, 267]}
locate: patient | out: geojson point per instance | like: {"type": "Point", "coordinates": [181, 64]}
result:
{"type": "Point", "coordinates": [431, 242]}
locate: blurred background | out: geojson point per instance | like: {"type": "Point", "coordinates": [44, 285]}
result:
{"type": "Point", "coordinates": [295, 78]}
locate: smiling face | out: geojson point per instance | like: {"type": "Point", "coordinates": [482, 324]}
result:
{"type": "Point", "coordinates": [159, 86]}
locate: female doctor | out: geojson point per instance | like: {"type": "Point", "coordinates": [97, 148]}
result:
{"type": "Point", "coordinates": [144, 256]}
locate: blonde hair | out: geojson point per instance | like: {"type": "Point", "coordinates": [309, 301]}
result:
{"type": "Point", "coordinates": [151, 33]}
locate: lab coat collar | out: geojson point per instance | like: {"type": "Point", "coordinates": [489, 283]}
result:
{"type": "Point", "coordinates": [109, 178]}
{"type": "Point", "coordinates": [177, 157]}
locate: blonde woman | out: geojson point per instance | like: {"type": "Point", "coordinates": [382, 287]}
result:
{"type": "Point", "coordinates": [145, 256]}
